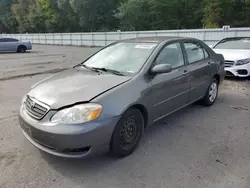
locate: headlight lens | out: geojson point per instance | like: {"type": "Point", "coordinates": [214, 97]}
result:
{"type": "Point", "coordinates": [77, 114]}
{"type": "Point", "coordinates": [243, 62]}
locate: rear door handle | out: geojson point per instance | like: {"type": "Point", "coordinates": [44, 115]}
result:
{"type": "Point", "coordinates": [209, 63]}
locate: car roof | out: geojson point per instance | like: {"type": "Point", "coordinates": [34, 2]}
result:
{"type": "Point", "coordinates": [236, 38]}
{"type": "Point", "coordinates": [155, 39]}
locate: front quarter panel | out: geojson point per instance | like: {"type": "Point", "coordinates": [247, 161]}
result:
{"type": "Point", "coordinates": [116, 101]}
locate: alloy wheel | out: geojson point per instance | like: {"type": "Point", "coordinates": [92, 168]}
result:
{"type": "Point", "coordinates": [213, 91]}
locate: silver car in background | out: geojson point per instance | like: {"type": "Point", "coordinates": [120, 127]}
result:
{"type": "Point", "coordinates": [14, 45]}
{"type": "Point", "coordinates": [236, 51]}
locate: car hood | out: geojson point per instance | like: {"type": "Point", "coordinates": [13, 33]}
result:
{"type": "Point", "coordinates": [233, 55]}
{"type": "Point", "coordinates": [74, 86]}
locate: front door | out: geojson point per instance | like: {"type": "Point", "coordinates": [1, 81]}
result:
{"type": "Point", "coordinates": [198, 66]}
{"type": "Point", "coordinates": [170, 90]}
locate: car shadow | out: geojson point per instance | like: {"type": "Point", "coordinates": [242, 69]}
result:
{"type": "Point", "coordinates": [237, 78]}
{"type": "Point", "coordinates": [16, 52]}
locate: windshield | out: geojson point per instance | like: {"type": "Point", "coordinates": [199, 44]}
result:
{"type": "Point", "coordinates": [234, 43]}
{"type": "Point", "coordinates": [122, 57]}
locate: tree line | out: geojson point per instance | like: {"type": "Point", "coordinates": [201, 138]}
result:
{"type": "Point", "coordinates": [37, 16]}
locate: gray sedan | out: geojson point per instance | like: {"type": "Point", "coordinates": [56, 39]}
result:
{"type": "Point", "coordinates": [14, 45]}
{"type": "Point", "coordinates": [107, 101]}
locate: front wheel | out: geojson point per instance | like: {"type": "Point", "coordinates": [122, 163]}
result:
{"type": "Point", "coordinates": [127, 133]}
{"type": "Point", "coordinates": [211, 94]}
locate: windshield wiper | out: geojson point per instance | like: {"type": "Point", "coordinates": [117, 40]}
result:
{"type": "Point", "coordinates": [109, 70]}
{"type": "Point", "coordinates": [89, 68]}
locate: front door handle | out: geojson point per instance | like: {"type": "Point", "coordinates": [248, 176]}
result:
{"type": "Point", "coordinates": [185, 72]}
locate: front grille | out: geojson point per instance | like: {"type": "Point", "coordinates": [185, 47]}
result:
{"type": "Point", "coordinates": [35, 109]}
{"type": "Point", "coordinates": [229, 63]}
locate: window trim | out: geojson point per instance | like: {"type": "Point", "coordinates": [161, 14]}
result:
{"type": "Point", "coordinates": [203, 48]}
{"type": "Point", "coordinates": [167, 44]}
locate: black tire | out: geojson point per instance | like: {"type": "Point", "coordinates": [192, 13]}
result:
{"type": "Point", "coordinates": [211, 94]}
{"type": "Point", "coordinates": [21, 49]}
{"type": "Point", "coordinates": [127, 133]}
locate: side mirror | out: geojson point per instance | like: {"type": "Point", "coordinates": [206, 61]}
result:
{"type": "Point", "coordinates": [161, 68]}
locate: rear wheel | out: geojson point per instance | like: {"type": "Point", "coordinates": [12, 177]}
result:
{"type": "Point", "coordinates": [211, 94]}
{"type": "Point", "coordinates": [127, 133]}
{"type": "Point", "coordinates": [21, 49]}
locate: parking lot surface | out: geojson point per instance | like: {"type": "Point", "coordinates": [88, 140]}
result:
{"type": "Point", "coordinates": [195, 147]}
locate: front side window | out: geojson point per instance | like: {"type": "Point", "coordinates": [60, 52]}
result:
{"type": "Point", "coordinates": [234, 43]}
{"type": "Point", "coordinates": [122, 57]}
{"type": "Point", "coordinates": [171, 54]}
{"type": "Point", "coordinates": [195, 52]}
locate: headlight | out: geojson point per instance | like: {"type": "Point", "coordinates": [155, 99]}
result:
{"type": "Point", "coordinates": [243, 62]}
{"type": "Point", "coordinates": [77, 114]}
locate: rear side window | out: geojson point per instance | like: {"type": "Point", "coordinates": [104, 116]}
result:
{"type": "Point", "coordinates": [195, 52]}
{"type": "Point", "coordinates": [11, 40]}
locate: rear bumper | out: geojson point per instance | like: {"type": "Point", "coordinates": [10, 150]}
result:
{"type": "Point", "coordinates": [75, 141]}
{"type": "Point", "coordinates": [222, 73]}
{"type": "Point", "coordinates": [238, 71]}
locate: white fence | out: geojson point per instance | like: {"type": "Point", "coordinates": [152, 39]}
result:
{"type": "Point", "coordinates": [210, 36]}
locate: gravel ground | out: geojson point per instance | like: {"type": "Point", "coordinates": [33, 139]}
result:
{"type": "Point", "coordinates": [195, 147]}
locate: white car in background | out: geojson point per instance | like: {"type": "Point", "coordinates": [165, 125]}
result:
{"type": "Point", "coordinates": [236, 52]}
{"type": "Point", "coordinates": [14, 45]}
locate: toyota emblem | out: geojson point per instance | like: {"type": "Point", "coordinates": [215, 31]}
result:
{"type": "Point", "coordinates": [32, 104]}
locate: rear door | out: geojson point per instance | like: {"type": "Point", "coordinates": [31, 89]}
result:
{"type": "Point", "coordinates": [169, 90]}
{"type": "Point", "coordinates": [11, 44]}
{"type": "Point", "coordinates": [199, 68]}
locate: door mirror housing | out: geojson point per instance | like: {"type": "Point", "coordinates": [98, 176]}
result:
{"type": "Point", "coordinates": [161, 68]}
